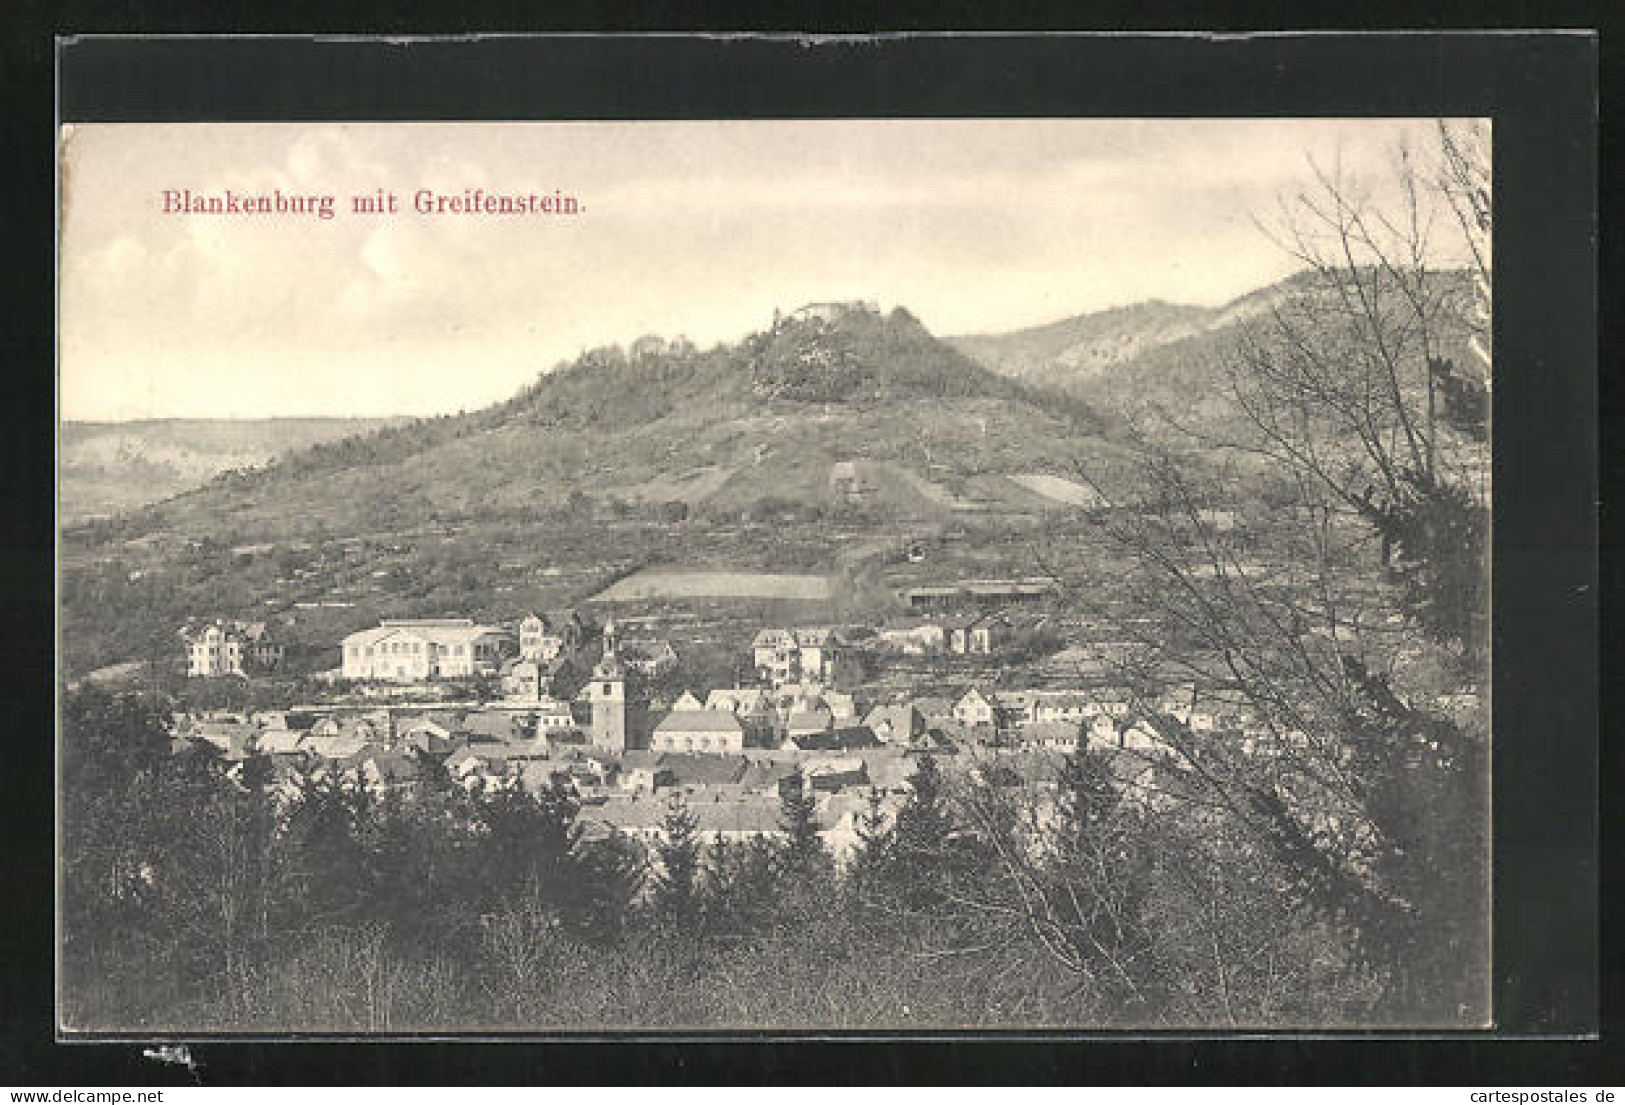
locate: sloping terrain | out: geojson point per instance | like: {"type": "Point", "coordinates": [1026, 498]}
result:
{"type": "Point", "coordinates": [770, 424]}
{"type": "Point", "coordinates": [1176, 361]}
{"type": "Point", "coordinates": [109, 467]}
{"type": "Point", "coordinates": [1085, 346]}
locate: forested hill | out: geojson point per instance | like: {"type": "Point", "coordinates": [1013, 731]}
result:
{"type": "Point", "coordinates": [1174, 357]}
{"type": "Point", "coordinates": [1105, 354]}
{"type": "Point", "coordinates": [1085, 346]}
{"type": "Point", "coordinates": [914, 425]}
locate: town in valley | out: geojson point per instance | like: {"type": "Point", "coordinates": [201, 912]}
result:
{"type": "Point", "coordinates": [838, 670]}
{"type": "Point", "coordinates": [575, 708]}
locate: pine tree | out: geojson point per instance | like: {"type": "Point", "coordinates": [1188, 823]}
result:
{"type": "Point", "coordinates": [721, 874]}
{"type": "Point", "coordinates": [612, 872]}
{"type": "Point", "coordinates": [921, 839]}
{"type": "Point", "coordinates": [258, 773]}
{"type": "Point", "coordinates": [804, 859]}
{"type": "Point", "coordinates": [1426, 792]}
{"type": "Point", "coordinates": [1096, 879]}
{"type": "Point", "coordinates": [528, 844]}
{"type": "Point", "coordinates": [329, 826]}
{"type": "Point", "coordinates": [432, 784]}
{"type": "Point", "coordinates": [742, 885]}
{"type": "Point", "coordinates": [866, 871]}
{"type": "Point", "coordinates": [676, 897]}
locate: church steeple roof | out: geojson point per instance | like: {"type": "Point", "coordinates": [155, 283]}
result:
{"type": "Point", "coordinates": [609, 668]}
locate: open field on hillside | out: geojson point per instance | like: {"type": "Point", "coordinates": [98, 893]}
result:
{"type": "Point", "coordinates": [691, 487]}
{"type": "Point", "coordinates": [666, 583]}
{"type": "Point", "coordinates": [1058, 489]}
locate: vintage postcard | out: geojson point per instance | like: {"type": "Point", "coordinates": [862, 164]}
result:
{"type": "Point", "coordinates": [774, 575]}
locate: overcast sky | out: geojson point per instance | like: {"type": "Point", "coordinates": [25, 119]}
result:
{"type": "Point", "coordinates": [694, 228]}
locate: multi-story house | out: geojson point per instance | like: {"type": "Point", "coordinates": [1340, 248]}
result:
{"type": "Point", "coordinates": [810, 654]}
{"type": "Point", "coordinates": [820, 651]}
{"type": "Point", "coordinates": [548, 635]}
{"type": "Point", "coordinates": [230, 648]}
{"type": "Point", "coordinates": [777, 656]}
{"type": "Point", "coordinates": [415, 650]}
{"type": "Point", "coordinates": [1012, 709]}
{"type": "Point", "coordinates": [979, 636]}
{"type": "Point", "coordinates": [524, 680]}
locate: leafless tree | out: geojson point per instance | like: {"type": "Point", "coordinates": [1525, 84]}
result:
{"type": "Point", "coordinates": [1319, 560]}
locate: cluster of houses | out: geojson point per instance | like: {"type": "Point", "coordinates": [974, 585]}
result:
{"type": "Point", "coordinates": [811, 654]}
{"type": "Point", "coordinates": [526, 656]}
{"type": "Point", "coordinates": [731, 751]}
{"type": "Point", "coordinates": [985, 633]}
{"type": "Point", "coordinates": [732, 794]}
{"type": "Point", "coordinates": [796, 705]}
{"type": "Point", "coordinates": [421, 650]}
{"type": "Point", "coordinates": [822, 653]}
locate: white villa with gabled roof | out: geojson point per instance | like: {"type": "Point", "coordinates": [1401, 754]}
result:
{"type": "Point", "coordinates": [548, 635]}
{"type": "Point", "coordinates": [973, 708]}
{"type": "Point", "coordinates": [224, 647]}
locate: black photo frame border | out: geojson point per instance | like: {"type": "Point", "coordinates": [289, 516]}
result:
{"type": "Point", "coordinates": [1541, 91]}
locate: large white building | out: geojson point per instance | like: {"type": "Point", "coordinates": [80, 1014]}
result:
{"type": "Point", "coordinates": [698, 730]}
{"type": "Point", "coordinates": [410, 651]}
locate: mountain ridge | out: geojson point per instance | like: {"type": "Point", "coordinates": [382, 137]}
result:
{"type": "Point", "coordinates": [1084, 345]}
{"type": "Point", "coordinates": [1125, 360]}
{"type": "Point", "coordinates": [108, 467]}
{"type": "Point", "coordinates": [765, 420]}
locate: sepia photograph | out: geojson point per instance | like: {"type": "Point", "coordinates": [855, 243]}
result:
{"type": "Point", "coordinates": [774, 575]}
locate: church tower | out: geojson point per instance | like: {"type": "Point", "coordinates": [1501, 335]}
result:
{"type": "Point", "coordinates": [609, 704]}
